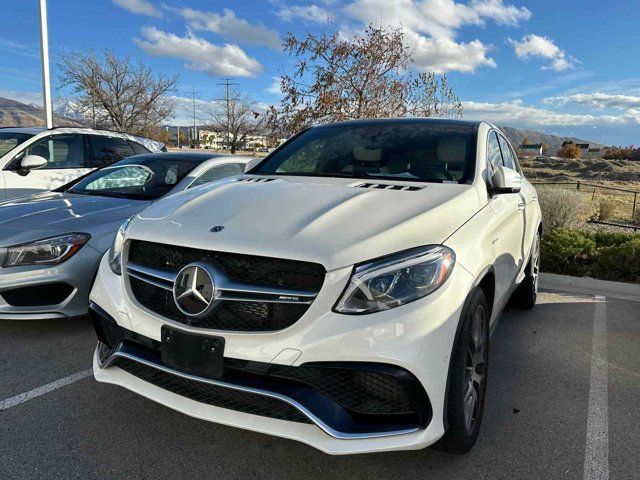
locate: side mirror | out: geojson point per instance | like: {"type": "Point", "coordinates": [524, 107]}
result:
{"type": "Point", "coordinates": [32, 162]}
{"type": "Point", "coordinates": [505, 180]}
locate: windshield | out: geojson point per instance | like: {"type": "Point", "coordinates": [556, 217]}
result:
{"type": "Point", "coordinates": [430, 151]}
{"type": "Point", "coordinates": [136, 178]}
{"type": "Point", "coordinates": [9, 140]}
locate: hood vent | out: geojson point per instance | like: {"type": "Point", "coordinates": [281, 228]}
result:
{"type": "Point", "coordinates": [388, 186]}
{"type": "Point", "coordinates": [255, 180]}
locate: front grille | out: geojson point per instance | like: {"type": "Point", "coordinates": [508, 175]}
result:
{"type": "Point", "coordinates": [229, 315]}
{"type": "Point", "coordinates": [245, 314]}
{"type": "Point", "coordinates": [266, 271]}
{"type": "Point", "coordinates": [213, 395]}
{"type": "Point", "coordinates": [38, 295]}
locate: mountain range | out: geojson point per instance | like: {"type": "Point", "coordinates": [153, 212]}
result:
{"type": "Point", "coordinates": [17, 114]}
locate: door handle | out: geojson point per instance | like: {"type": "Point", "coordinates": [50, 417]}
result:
{"type": "Point", "coordinates": [520, 204]}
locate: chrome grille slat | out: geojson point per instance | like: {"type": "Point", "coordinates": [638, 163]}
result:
{"type": "Point", "coordinates": [228, 289]}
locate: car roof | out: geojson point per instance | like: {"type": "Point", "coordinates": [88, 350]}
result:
{"type": "Point", "coordinates": [195, 157]}
{"type": "Point", "coordinates": [402, 120]}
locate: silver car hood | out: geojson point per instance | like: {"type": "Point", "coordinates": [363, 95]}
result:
{"type": "Point", "coordinates": [51, 213]}
{"type": "Point", "coordinates": [325, 220]}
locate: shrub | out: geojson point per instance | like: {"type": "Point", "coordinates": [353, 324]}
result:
{"type": "Point", "coordinates": [568, 252]}
{"type": "Point", "coordinates": [607, 210]}
{"type": "Point", "coordinates": [569, 150]}
{"type": "Point", "coordinates": [563, 208]}
{"type": "Point", "coordinates": [619, 262]}
{"type": "Point", "coordinates": [605, 255]}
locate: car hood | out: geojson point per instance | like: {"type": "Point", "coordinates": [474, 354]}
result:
{"type": "Point", "coordinates": [324, 220]}
{"type": "Point", "coordinates": [52, 213]}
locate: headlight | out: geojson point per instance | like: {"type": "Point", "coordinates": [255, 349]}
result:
{"type": "Point", "coordinates": [115, 253]}
{"type": "Point", "coordinates": [396, 279]}
{"type": "Point", "coordinates": [48, 251]}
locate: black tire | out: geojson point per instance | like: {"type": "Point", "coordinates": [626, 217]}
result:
{"type": "Point", "coordinates": [468, 376]}
{"type": "Point", "coordinates": [526, 294]}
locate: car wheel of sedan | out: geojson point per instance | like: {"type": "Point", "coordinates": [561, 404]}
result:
{"type": "Point", "coordinates": [468, 377]}
{"type": "Point", "coordinates": [527, 293]}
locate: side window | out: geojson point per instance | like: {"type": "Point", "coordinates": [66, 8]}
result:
{"type": "Point", "coordinates": [137, 148]}
{"type": "Point", "coordinates": [107, 150]}
{"type": "Point", "coordinates": [493, 151]}
{"type": "Point", "coordinates": [218, 173]}
{"type": "Point", "coordinates": [60, 151]}
{"type": "Point", "coordinates": [507, 154]}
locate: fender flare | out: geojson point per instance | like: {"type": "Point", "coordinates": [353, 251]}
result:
{"type": "Point", "coordinates": [479, 278]}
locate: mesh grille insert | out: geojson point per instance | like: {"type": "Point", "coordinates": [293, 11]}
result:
{"type": "Point", "coordinates": [230, 315]}
{"type": "Point", "coordinates": [267, 271]}
{"type": "Point", "coordinates": [213, 395]}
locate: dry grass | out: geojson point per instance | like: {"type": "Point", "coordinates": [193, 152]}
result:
{"type": "Point", "coordinates": [622, 174]}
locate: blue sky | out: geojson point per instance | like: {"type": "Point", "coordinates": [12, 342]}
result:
{"type": "Point", "coordinates": [563, 67]}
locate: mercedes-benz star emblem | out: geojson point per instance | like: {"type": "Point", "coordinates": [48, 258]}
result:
{"type": "Point", "coordinates": [193, 290]}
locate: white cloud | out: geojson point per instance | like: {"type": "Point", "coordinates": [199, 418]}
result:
{"type": "Point", "coordinates": [141, 7]}
{"type": "Point", "coordinates": [274, 87]}
{"type": "Point", "coordinates": [199, 53]}
{"type": "Point", "coordinates": [542, 47]}
{"type": "Point", "coordinates": [307, 13]}
{"type": "Point", "coordinates": [231, 27]}
{"type": "Point", "coordinates": [444, 55]}
{"type": "Point", "coordinates": [431, 28]}
{"type": "Point", "coordinates": [519, 115]}
{"type": "Point", "coordinates": [597, 100]}
{"type": "Point", "coordinates": [501, 13]}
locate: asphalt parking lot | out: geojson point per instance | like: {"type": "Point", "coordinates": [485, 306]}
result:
{"type": "Point", "coordinates": [563, 401]}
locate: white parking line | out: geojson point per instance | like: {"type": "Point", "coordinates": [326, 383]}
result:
{"type": "Point", "coordinates": [49, 387]}
{"type": "Point", "coordinates": [596, 459]}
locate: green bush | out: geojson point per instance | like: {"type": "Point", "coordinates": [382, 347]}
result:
{"type": "Point", "coordinates": [604, 255]}
{"type": "Point", "coordinates": [619, 262]}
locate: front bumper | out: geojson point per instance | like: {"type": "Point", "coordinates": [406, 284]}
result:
{"type": "Point", "coordinates": [28, 289]}
{"type": "Point", "coordinates": [415, 339]}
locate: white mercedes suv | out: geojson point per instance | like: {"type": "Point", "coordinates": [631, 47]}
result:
{"type": "Point", "coordinates": [341, 293]}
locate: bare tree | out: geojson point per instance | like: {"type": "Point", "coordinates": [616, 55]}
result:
{"type": "Point", "coordinates": [337, 78]}
{"type": "Point", "coordinates": [115, 93]}
{"type": "Point", "coordinates": [236, 118]}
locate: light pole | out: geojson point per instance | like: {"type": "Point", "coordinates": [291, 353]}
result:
{"type": "Point", "coordinates": [46, 83]}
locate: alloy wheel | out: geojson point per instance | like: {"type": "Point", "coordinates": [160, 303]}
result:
{"type": "Point", "coordinates": [535, 262]}
{"type": "Point", "coordinates": [475, 369]}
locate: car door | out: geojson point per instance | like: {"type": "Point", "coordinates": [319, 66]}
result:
{"type": "Point", "coordinates": [508, 209]}
{"type": "Point", "coordinates": [531, 213]}
{"type": "Point", "coordinates": [66, 160]}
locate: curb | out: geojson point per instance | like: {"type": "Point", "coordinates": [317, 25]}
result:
{"type": "Point", "coordinates": [590, 286]}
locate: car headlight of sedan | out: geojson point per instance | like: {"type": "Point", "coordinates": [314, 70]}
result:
{"type": "Point", "coordinates": [396, 280]}
{"type": "Point", "coordinates": [48, 251]}
{"type": "Point", "coordinates": [115, 253]}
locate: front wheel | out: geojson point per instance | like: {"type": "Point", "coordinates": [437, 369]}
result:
{"type": "Point", "coordinates": [527, 293]}
{"type": "Point", "coordinates": [468, 377]}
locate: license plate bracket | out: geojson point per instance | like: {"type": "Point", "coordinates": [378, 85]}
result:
{"type": "Point", "coordinates": [193, 353]}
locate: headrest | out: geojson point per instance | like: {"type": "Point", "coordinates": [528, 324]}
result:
{"type": "Point", "coordinates": [452, 149]}
{"type": "Point", "coordinates": [367, 155]}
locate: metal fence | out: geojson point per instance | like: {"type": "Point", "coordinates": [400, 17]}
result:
{"type": "Point", "coordinates": [626, 202]}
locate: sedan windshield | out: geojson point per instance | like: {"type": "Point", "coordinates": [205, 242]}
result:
{"type": "Point", "coordinates": [9, 140]}
{"type": "Point", "coordinates": [136, 178]}
{"type": "Point", "coordinates": [408, 150]}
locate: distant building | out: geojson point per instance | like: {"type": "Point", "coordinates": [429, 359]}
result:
{"type": "Point", "coordinates": [532, 150]}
